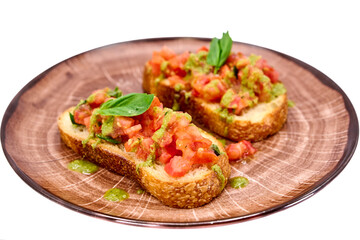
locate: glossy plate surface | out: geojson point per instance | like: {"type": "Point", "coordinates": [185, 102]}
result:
{"type": "Point", "coordinates": [314, 146]}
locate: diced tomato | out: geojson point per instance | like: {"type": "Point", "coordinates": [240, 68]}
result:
{"type": "Point", "coordinates": [132, 131]}
{"type": "Point", "coordinates": [121, 126]}
{"type": "Point", "coordinates": [242, 149]}
{"type": "Point", "coordinates": [168, 152]}
{"type": "Point", "coordinates": [232, 59]}
{"type": "Point", "coordinates": [272, 74]}
{"type": "Point", "coordinates": [144, 148]}
{"type": "Point", "coordinates": [155, 64]}
{"type": "Point", "coordinates": [167, 53]}
{"type": "Point", "coordinates": [214, 90]}
{"type": "Point", "coordinates": [178, 166]}
{"type": "Point", "coordinates": [204, 156]}
{"type": "Point", "coordinates": [97, 98]}
{"type": "Point", "coordinates": [151, 120]}
{"type": "Point", "coordinates": [268, 70]}
{"type": "Point", "coordinates": [175, 79]}
{"type": "Point", "coordinates": [189, 141]}
{"type": "Point", "coordinates": [203, 48]}
{"type": "Point", "coordinates": [176, 64]}
{"type": "Point", "coordinates": [87, 122]}
{"type": "Point", "coordinates": [176, 124]}
{"type": "Point", "coordinates": [165, 157]}
{"type": "Point", "coordinates": [132, 144]}
{"type": "Point", "coordinates": [250, 149]}
{"type": "Point", "coordinates": [199, 83]}
{"type": "Point", "coordinates": [238, 104]}
{"type": "Point", "coordinates": [81, 113]}
{"type": "Point", "coordinates": [224, 71]}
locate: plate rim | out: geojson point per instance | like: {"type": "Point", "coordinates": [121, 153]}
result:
{"type": "Point", "coordinates": [350, 147]}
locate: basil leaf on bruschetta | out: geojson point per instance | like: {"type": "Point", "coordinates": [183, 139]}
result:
{"type": "Point", "coordinates": [219, 51]}
{"type": "Point", "coordinates": [129, 105]}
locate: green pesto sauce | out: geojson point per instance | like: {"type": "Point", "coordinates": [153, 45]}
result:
{"type": "Point", "coordinates": [197, 62]}
{"type": "Point", "coordinates": [217, 169]}
{"type": "Point", "coordinates": [178, 87]}
{"type": "Point", "coordinates": [164, 65]}
{"type": "Point", "coordinates": [278, 89]}
{"type": "Point", "coordinates": [116, 195]}
{"type": "Point", "coordinates": [291, 103]}
{"type": "Point", "coordinates": [83, 166]}
{"type": "Point", "coordinates": [150, 159]}
{"type": "Point", "coordinates": [238, 182]}
{"type": "Point", "coordinates": [107, 126]}
{"type": "Point", "coordinates": [187, 97]}
{"type": "Point", "coordinates": [227, 97]}
{"type": "Point", "coordinates": [253, 59]}
{"type": "Point", "coordinates": [176, 104]}
{"type": "Point", "coordinates": [225, 115]}
{"type": "Point", "coordinates": [161, 131]}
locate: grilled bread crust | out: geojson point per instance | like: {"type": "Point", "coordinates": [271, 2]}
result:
{"type": "Point", "coordinates": [195, 189]}
{"type": "Point", "coordinates": [255, 124]}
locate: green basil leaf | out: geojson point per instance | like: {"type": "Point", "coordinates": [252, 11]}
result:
{"type": "Point", "coordinates": [214, 52]}
{"type": "Point", "coordinates": [216, 149]}
{"type": "Point", "coordinates": [219, 51]}
{"type": "Point", "coordinates": [225, 47]}
{"type": "Point", "coordinates": [72, 118]}
{"type": "Point", "coordinates": [108, 139]}
{"type": "Point", "coordinates": [129, 105]}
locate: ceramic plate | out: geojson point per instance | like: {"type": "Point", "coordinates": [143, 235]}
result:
{"type": "Point", "coordinates": [313, 147]}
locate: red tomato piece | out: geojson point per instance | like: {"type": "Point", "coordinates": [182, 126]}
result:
{"type": "Point", "coordinates": [242, 149]}
{"type": "Point", "coordinates": [204, 156]}
{"type": "Point", "coordinates": [132, 131]}
{"type": "Point", "coordinates": [97, 98]}
{"type": "Point", "coordinates": [81, 113]}
{"type": "Point", "coordinates": [199, 83]}
{"type": "Point", "coordinates": [214, 90]}
{"type": "Point", "coordinates": [167, 53]}
{"type": "Point", "coordinates": [203, 48]}
{"type": "Point", "coordinates": [121, 125]}
{"type": "Point", "coordinates": [178, 166]}
{"type": "Point", "coordinates": [144, 148]}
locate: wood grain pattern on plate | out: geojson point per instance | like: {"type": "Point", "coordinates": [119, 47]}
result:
{"type": "Point", "coordinates": [313, 147]}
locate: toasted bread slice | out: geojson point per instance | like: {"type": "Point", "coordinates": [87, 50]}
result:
{"type": "Point", "coordinates": [255, 124]}
{"type": "Point", "coordinates": [196, 188]}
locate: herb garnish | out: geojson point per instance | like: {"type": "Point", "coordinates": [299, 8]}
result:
{"type": "Point", "coordinates": [219, 51]}
{"type": "Point", "coordinates": [129, 105]}
{"type": "Point", "coordinates": [216, 149]}
{"type": "Point", "coordinates": [108, 139]}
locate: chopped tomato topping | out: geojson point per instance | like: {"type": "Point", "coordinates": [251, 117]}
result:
{"type": "Point", "coordinates": [244, 74]}
{"type": "Point", "coordinates": [164, 135]}
{"type": "Point", "coordinates": [242, 149]}
{"type": "Point", "coordinates": [175, 79]}
{"type": "Point", "coordinates": [176, 64]}
{"type": "Point", "coordinates": [204, 156]}
{"type": "Point", "coordinates": [82, 114]}
{"type": "Point", "coordinates": [178, 166]}
{"type": "Point", "coordinates": [268, 70]}
{"type": "Point", "coordinates": [167, 53]}
{"type": "Point", "coordinates": [203, 48]}
{"type": "Point", "coordinates": [98, 97]}
{"type": "Point", "coordinates": [151, 120]}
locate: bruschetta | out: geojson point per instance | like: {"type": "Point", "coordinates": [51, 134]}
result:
{"type": "Point", "coordinates": [135, 136]}
{"type": "Point", "coordinates": [236, 96]}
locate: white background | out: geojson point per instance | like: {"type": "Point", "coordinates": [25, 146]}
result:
{"type": "Point", "coordinates": [35, 35]}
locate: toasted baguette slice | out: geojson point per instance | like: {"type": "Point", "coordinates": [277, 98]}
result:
{"type": "Point", "coordinates": [256, 124]}
{"type": "Point", "coordinates": [196, 188]}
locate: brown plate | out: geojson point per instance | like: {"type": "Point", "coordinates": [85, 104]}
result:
{"type": "Point", "coordinates": [314, 146]}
